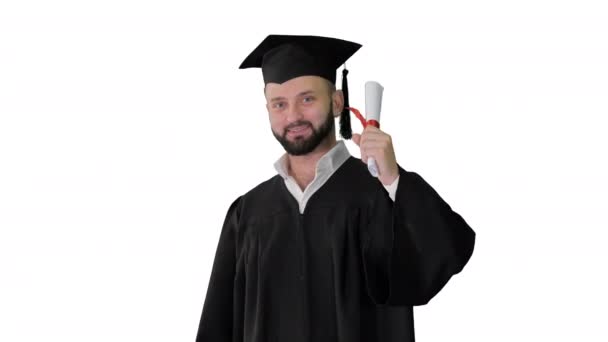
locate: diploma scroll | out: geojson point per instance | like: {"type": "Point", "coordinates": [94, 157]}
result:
{"type": "Point", "coordinates": [373, 105]}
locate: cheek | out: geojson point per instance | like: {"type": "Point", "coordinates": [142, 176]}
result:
{"type": "Point", "coordinates": [319, 114]}
{"type": "Point", "coordinates": [275, 122]}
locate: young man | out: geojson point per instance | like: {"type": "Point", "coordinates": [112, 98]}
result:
{"type": "Point", "coordinates": [323, 251]}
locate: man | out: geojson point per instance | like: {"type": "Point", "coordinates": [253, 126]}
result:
{"type": "Point", "coordinates": [323, 251]}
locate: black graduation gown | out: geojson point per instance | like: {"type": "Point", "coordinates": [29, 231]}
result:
{"type": "Point", "coordinates": [349, 269]}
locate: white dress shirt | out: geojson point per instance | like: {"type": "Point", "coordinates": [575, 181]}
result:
{"type": "Point", "coordinates": [326, 166]}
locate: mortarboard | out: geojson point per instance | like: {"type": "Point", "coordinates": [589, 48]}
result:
{"type": "Point", "coordinates": [283, 57]}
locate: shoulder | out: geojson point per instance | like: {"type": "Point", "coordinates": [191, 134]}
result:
{"type": "Point", "coordinates": [265, 190]}
{"type": "Point", "coordinates": [261, 198]}
{"type": "Point", "coordinates": [357, 175]}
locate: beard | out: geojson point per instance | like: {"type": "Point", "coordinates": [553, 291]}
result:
{"type": "Point", "coordinates": [304, 145]}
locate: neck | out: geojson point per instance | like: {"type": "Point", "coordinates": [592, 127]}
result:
{"type": "Point", "coordinates": [303, 168]}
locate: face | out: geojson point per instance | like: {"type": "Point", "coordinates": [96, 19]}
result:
{"type": "Point", "coordinates": [301, 113]}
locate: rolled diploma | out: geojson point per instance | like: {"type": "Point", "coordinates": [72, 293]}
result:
{"type": "Point", "coordinates": [373, 105]}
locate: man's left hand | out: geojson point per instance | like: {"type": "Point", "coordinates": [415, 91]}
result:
{"type": "Point", "coordinates": [375, 143]}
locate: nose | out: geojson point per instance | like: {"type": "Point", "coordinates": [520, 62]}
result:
{"type": "Point", "coordinates": [293, 114]}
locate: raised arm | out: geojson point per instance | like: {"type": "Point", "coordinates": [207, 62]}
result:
{"type": "Point", "coordinates": [414, 245]}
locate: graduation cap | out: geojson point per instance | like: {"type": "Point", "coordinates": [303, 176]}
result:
{"type": "Point", "coordinates": [283, 57]}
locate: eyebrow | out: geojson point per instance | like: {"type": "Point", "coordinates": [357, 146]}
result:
{"type": "Point", "coordinates": [307, 92]}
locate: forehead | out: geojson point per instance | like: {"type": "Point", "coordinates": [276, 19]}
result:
{"type": "Point", "coordinates": [297, 85]}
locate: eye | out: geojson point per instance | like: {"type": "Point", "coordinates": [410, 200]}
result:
{"type": "Point", "coordinates": [308, 99]}
{"type": "Point", "coordinates": [278, 105]}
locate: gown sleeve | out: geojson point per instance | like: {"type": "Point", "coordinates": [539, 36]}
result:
{"type": "Point", "coordinates": [413, 246]}
{"type": "Point", "coordinates": [217, 316]}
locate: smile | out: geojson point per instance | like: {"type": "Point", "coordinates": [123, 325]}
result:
{"type": "Point", "coordinates": [298, 129]}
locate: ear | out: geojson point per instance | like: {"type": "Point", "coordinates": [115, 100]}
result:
{"type": "Point", "coordinates": [337, 100]}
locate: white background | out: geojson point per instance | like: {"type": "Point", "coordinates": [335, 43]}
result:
{"type": "Point", "coordinates": [127, 129]}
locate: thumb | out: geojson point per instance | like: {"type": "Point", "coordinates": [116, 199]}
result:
{"type": "Point", "coordinates": [356, 138]}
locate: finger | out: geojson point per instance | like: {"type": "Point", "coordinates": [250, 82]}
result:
{"type": "Point", "coordinates": [374, 135]}
{"type": "Point", "coordinates": [374, 142]}
{"type": "Point", "coordinates": [363, 156]}
{"type": "Point", "coordinates": [356, 138]}
{"type": "Point", "coordinates": [371, 128]}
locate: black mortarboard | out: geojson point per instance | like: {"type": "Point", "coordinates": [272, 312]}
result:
{"type": "Point", "coordinates": [283, 57]}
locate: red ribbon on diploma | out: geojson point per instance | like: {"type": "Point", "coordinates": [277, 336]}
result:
{"type": "Point", "coordinates": [362, 119]}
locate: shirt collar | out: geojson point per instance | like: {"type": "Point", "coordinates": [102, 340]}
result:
{"type": "Point", "coordinates": [329, 163]}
